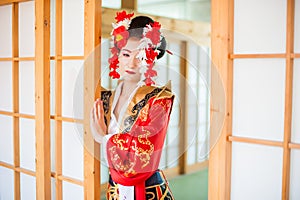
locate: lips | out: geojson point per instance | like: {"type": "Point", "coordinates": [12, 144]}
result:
{"type": "Point", "coordinates": [129, 72]}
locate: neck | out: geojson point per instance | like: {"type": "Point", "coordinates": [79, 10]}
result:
{"type": "Point", "coordinates": [128, 87]}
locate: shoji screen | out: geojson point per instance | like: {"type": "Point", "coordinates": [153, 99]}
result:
{"type": "Point", "coordinates": [24, 99]}
{"type": "Point", "coordinates": [295, 137]}
{"type": "Point", "coordinates": [258, 99]}
{"type": "Point", "coordinates": [261, 99]}
{"type": "Point", "coordinates": [17, 107]}
{"type": "Point", "coordinates": [261, 72]}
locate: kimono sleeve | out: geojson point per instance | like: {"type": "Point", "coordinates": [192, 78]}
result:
{"type": "Point", "coordinates": [139, 150]}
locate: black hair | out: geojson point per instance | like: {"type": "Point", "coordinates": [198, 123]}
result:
{"type": "Point", "coordinates": [136, 30]}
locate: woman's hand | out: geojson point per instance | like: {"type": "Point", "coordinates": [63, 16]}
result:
{"type": "Point", "coordinates": [97, 124]}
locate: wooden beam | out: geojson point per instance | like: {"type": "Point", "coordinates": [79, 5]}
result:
{"type": "Point", "coordinates": [19, 115]}
{"type": "Point", "coordinates": [288, 100]}
{"type": "Point", "coordinates": [183, 140]}
{"type": "Point", "coordinates": [67, 179]}
{"type": "Point", "coordinates": [42, 99]}
{"type": "Point", "coordinates": [92, 39]}
{"type": "Point", "coordinates": [15, 87]}
{"type": "Point", "coordinates": [294, 146]}
{"type": "Point", "coordinates": [222, 71]}
{"type": "Point", "coordinates": [6, 2]}
{"type": "Point", "coordinates": [129, 4]}
{"type": "Point", "coordinates": [247, 56]}
{"type": "Point", "coordinates": [198, 32]}
{"type": "Point", "coordinates": [255, 141]}
{"type": "Point", "coordinates": [58, 98]}
{"type": "Point", "coordinates": [17, 169]}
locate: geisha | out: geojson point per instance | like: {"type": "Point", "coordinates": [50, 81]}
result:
{"type": "Point", "coordinates": [131, 121]}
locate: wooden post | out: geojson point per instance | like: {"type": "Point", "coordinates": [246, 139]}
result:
{"type": "Point", "coordinates": [129, 4]}
{"type": "Point", "coordinates": [92, 38]}
{"type": "Point", "coordinates": [288, 99]}
{"type": "Point", "coordinates": [58, 98]}
{"type": "Point", "coordinates": [42, 99]}
{"type": "Point", "coordinates": [222, 46]}
{"type": "Point", "coordinates": [184, 107]}
{"type": "Point", "coordinates": [15, 78]}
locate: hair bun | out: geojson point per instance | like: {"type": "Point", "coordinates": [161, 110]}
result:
{"type": "Point", "coordinates": [136, 29]}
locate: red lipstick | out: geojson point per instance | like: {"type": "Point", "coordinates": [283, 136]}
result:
{"type": "Point", "coordinates": [129, 72]}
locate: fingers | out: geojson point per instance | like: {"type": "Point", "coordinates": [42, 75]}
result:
{"type": "Point", "coordinates": [98, 110]}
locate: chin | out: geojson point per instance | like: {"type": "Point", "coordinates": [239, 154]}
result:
{"type": "Point", "coordinates": [134, 80]}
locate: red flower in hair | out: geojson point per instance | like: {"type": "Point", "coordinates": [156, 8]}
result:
{"type": "Point", "coordinates": [150, 73]}
{"type": "Point", "coordinates": [114, 50]}
{"type": "Point", "coordinates": [114, 74]}
{"type": "Point", "coordinates": [120, 36]}
{"type": "Point", "coordinates": [150, 55]}
{"type": "Point", "coordinates": [154, 34]}
{"type": "Point", "coordinates": [123, 15]}
{"type": "Point", "coordinates": [149, 81]}
{"type": "Point", "coordinates": [113, 65]}
{"type": "Point", "coordinates": [113, 61]}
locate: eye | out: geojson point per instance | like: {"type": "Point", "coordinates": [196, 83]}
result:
{"type": "Point", "coordinates": [125, 54]}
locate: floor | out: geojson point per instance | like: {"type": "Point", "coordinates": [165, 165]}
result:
{"type": "Point", "coordinates": [192, 186]}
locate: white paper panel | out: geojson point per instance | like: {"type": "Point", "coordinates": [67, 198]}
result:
{"type": "Point", "coordinates": [73, 27]}
{"type": "Point", "coordinates": [104, 174]}
{"type": "Point", "coordinates": [27, 87]}
{"type": "Point", "coordinates": [297, 26]}
{"type": "Point", "coordinates": [295, 175]}
{"type": "Point", "coordinates": [111, 3]}
{"type": "Point", "coordinates": [72, 150]}
{"type": "Point", "coordinates": [193, 117]}
{"type": "Point", "coordinates": [52, 87]}
{"type": "Point", "coordinates": [53, 143]}
{"type": "Point", "coordinates": [173, 155]}
{"type": "Point", "coordinates": [52, 27]}
{"type": "Point", "coordinates": [6, 31]}
{"type": "Point", "coordinates": [258, 98]}
{"type": "Point", "coordinates": [260, 26]}
{"type": "Point", "coordinates": [28, 187]}
{"type": "Point", "coordinates": [26, 29]}
{"type": "Point", "coordinates": [72, 89]}
{"type": "Point", "coordinates": [6, 183]}
{"type": "Point", "coordinates": [53, 189]}
{"type": "Point", "coordinates": [6, 139]}
{"type": "Point", "coordinates": [175, 116]}
{"type": "Point", "coordinates": [191, 154]}
{"type": "Point", "coordinates": [6, 86]}
{"type": "Point", "coordinates": [72, 191]}
{"type": "Point", "coordinates": [296, 103]}
{"type": "Point", "coordinates": [256, 172]}
{"type": "Point", "coordinates": [105, 54]}
{"type": "Point", "coordinates": [172, 136]}
{"type": "Point", "coordinates": [27, 144]}
{"type": "Point", "coordinates": [163, 161]}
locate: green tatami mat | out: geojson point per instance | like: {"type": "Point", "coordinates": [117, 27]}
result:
{"type": "Point", "coordinates": [193, 186]}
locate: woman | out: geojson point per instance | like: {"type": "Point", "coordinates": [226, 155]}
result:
{"type": "Point", "coordinates": [131, 122]}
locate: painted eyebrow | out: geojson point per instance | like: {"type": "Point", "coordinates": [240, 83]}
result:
{"type": "Point", "coordinates": [126, 50]}
{"type": "Point", "coordinates": [130, 51]}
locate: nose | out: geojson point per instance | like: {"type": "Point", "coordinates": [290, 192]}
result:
{"type": "Point", "coordinates": [133, 62]}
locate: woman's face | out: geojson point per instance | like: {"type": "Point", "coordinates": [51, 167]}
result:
{"type": "Point", "coordinates": [128, 62]}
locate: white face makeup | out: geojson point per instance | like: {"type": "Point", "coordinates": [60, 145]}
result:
{"type": "Point", "coordinates": [129, 64]}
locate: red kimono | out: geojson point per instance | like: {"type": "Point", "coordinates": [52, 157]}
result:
{"type": "Point", "coordinates": [133, 155]}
